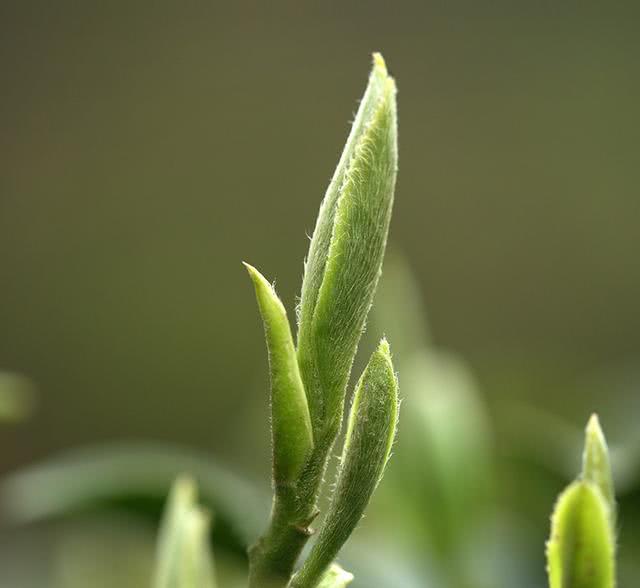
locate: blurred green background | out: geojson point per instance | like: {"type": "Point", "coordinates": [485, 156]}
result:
{"type": "Point", "coordinates": [147, 148]}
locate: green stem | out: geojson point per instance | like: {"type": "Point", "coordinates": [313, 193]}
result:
{"type": "Point", "coordinates": [273, 558]}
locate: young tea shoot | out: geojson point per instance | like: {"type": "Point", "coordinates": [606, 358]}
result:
{"type": "Point", "coordinates": [309, 379]}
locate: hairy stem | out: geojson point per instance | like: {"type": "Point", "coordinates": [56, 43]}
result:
{"type": "Point", "coordinates": [273, 558]}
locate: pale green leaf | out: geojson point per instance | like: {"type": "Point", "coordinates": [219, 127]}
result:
{"type": "Point", "coordinates": [445, 438]}
{"type": "Point", "coordinates": [335, 577]}
{"type": "Point", "coordinates": [321, 241]}
{"type": "Point", "coordinates": [581, 550]}
{"type": "Point", "coordinates": [183, 553]}
{"type": "Point", "coordinates": [196, 564]}
{"type": "Point", "coordinates": [370, 435]}
{"type": "Point", "coordinates": [181, 500]}
{"type": "Point", "coordinates": [346, 252]}
{"type": "Point", "coordinates": [290, 420]}
{"type": "Point", "coordinates": [596, 466]}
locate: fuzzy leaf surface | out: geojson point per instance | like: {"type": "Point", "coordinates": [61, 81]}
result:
{"type": "Point", "coordinates": [346, 253]}
{"type": "Point", "coordinates": [370, 435]}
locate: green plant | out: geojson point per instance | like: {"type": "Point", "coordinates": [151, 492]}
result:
{"type": "Point", "coordinates": [581, 549]}
{"type": "Point", "coordinates": [443, 476]}
{"type": "Point", "coordinates": [183, 556]}
{"type": "Point", "coordinates": [309, 380]}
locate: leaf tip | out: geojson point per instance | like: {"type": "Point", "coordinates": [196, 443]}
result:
{"type": "Point", "coordinates": [254, 274]}
{"type": "Point", "coordinates": [381, 72]}
{"type": "Point", "coordinates": [596, 465]}
{"type": "Point", "coordinates": [384, 348]}
{"type": "Point", "coordinates": [594, 429]}
{"type": "Point", "coordinates": [264, 289]}
{"type": "Point", "coordinates": [379, 62]}
{"type": "Point", "coordinates": [185, 489]}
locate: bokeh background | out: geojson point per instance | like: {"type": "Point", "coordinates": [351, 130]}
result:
{"type": "Point", "coordinates": [147, 148]}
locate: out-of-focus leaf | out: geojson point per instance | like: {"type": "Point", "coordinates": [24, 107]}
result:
{"type": "Point", "coordinates": [541, 436]}
{"type": "Point", "coordinates": [335, 577]}
{"type": "Point", "coordinates": [398, 312]}
{"type": "Point", "coordinates": [130, 474]}
{"type": "Point", "coordinates": [580, 552]}
{"type": "Point", "coordinates": [183, 555]}
{"type": "Point", "coordinates": [444, 440]}
{"type": "Point", "coordinates": [596, 466]}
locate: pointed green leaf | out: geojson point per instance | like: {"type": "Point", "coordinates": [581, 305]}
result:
{"type": "Point", "coordinates": [183, 557]}
{"type": "Point", "coordinates": [335, 577]}
{"type": "Point", "coordinates": [580, 552]}
{"type": "Point", "coordinates": [345, 256]}
{"type": "Point", "coordinates": [319, 248]}
{"type": "Point", "coordinates": [596, 466]}
{"type": "Point", "coordinates": [290, 420]}
{"type": "Point", "coordinates": [182, 498]}
{"type": "Point", "coordinates": [367, 447]}
{"type": "Point", "coordinates": [196, 564]}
